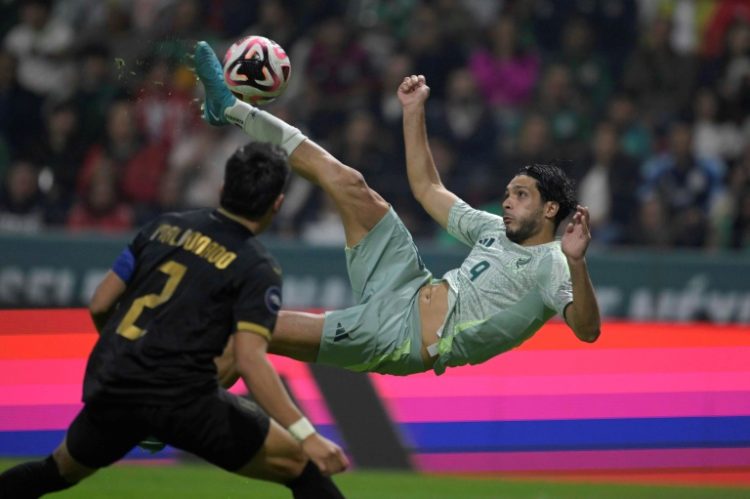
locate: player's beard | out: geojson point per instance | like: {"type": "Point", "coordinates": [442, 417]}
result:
{"type": "Point", "coordinates": [527, 227]}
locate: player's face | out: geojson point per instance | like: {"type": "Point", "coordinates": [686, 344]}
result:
{"type": "Point", "coordinates": [523, 209]}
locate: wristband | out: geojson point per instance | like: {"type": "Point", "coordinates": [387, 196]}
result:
{"type": "Point", "coordinates": [301, 429]}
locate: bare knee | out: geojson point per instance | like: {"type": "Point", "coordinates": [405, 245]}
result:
{"type": "Point", "coordinates": [347, 182]}
{"type": "Point", "coordinates": [360, 207]}
{"type": "Point", "coordinates": [297, 335]}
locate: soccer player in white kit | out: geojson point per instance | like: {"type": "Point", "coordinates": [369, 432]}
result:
{"type": "Point", "coordinates": [516, 277]}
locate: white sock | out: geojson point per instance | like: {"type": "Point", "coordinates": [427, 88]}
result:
{"type": "Point", "coordinates": [264, 127]}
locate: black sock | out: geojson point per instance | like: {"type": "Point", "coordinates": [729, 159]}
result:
{"type": "Point", "coordinates": [311, 484]}
{"type": "Point", "coordinates": [32, 479]}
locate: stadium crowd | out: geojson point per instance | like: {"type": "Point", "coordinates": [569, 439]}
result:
{"type": "Point", "coordinates": [645, 103]}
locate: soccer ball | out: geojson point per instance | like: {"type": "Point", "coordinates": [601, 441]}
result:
{"type": "Point", "coordinates": [256, 69]}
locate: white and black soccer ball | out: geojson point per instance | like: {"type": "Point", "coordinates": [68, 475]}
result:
{"type": "Point", "coordinates": [256, 69]}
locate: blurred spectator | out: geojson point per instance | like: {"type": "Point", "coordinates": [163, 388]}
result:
{"type": "Point", "coordinates": [22, 204]}
{"type": "Point", "coordinates": [326, 228]}
{"type": "Point", "coordinates": [138, 166]}
{"type": "Point", "coordinates": [83, 16]}
{"type": "Point", "coordinates": [740, 228]}
{"type": "Point", "coordinates": [712, 138]}
{"type": "Point", "coordinates": [396, 68]}
{"type": "Point", "coordinates": [274, 22]}
{"type": "Point", "coordinates": [100, 208]}
{"type": "Point", "coordinates": [458, 26]}
{"type": "Point", "coordinates": [125, 44]}
{"type": "Point", "coordinates": [363, 146]}
{"type": "Point", "coordinates": [505, 70]}
{"type": "Point", "coordinates": [608, 188]}
{"type": "Point", "coordinates": [392, 17]}
{"type": "Point", "coordinates": [589, 71]}
{"type": "Point", "coordinates": [613, 24]}
{"type": "Point", "coordinates": [482, 12]}
{"type": "Point", "coordinates": [196, 165]}
{"type": "Point", "coordinates": [685, 17]}
{"type": "Point", "coordinates": [311, 14]}
{"type": "Point", "coordinates": [178, 26]}
{"type": "Point", "coordinates": [635, 136]}
{"type": "Point", "coordinates": [734, 72]}
{"type": "Point", "coordinates": [688, 186]}
{"type": "Point", "coordinates": [232, 17]}
{"type": "Point", "coordinates": [615, 27]}
{"type": "Point", "coordinates": [95, 90]}
{"type": "Point", "coordinates": [723, 14]}
{"type": "Point", "coordinates": [660, 79]}
{"type": "Point", "coordinates": [20, 110]}
{"type": "Point", "coordinates": [119, 144]}
{"type": "Point", "coordinates": [41, 45]}
{"type": "Point", "coordinates": [338, 73]}
{"type": "Point", "coordinates": [59, 152]}
{"type": "Point", "coordinates": [8, 17]}
{"type": "Point", "coordinates": [565, 111]}
{"type": "Point", "coordinates": [162, 107]}
{"type": "Point", "coordinates": [465, 121]}
{"type": "Point", "coordinates": [652, 228]}
{"type": "Point", "coordinates": [433, 54]}
{"type": "Point", "coordinates": [531, 146]}
{"type": "Point", "coordinates": [737, 222]}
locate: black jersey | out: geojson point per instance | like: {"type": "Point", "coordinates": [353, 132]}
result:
{"type": "Point", "coordinates": [198, 277]}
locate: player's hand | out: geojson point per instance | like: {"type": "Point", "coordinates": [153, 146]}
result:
{"type": "Point", "coordinates": [577, 235]}
{"type": "Point", "coordinates": [325, 454]}
{"type": "Point", "coordinates": [413, 91]}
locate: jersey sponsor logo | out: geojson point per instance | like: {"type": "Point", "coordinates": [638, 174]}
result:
{"type": "Point", "coordinates": [273, 299]}
{"type": "Point", "coordinates": [340, 333]}
{"type": "Point", "coordinates": [522, 262]}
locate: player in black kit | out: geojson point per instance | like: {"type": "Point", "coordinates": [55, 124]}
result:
{"type": "Point", "coordinates": [186, 284]}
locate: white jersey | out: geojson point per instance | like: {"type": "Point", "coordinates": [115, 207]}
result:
{"type": "Point", "coordinates": [502, 293]}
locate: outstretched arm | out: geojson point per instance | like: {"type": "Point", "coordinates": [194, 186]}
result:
{"type": "Point", "coordinates": [582, 315]}
{"type": "Point", "coordinates": [424, 179]}
{"type": "Point", "coordinates": [264, 383]}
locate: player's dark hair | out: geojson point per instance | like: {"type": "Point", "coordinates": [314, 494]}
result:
{"type": "Point", "coordinates": [554, 185]}
{"type": "Point", "coordinates": [254, 177]}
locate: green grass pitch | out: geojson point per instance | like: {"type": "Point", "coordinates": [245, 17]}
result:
{"type": "Point", "coordinates": [198, 481]}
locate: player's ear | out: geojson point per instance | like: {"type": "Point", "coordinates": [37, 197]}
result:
{"type": "Point", "coordinates": [550, 209]}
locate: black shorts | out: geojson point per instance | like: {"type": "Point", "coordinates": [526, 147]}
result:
{"type": "Point", "coordinates": [221, 428]}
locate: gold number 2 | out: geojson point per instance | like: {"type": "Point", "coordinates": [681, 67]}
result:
{"type": "Point", "coordinates": [127, 327]}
